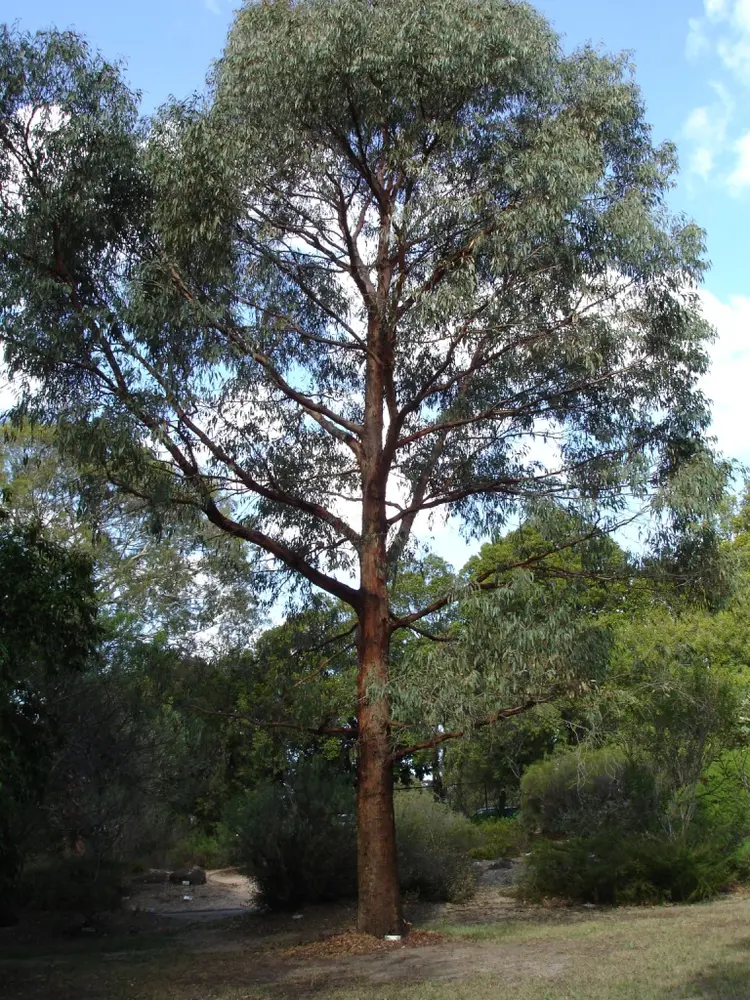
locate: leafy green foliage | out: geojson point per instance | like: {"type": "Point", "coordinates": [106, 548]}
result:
{"type": "Point", "coordinates": [627, 869]}
{"type": "Point", "coordinates": [125, 769]}
{"type": "Point", "coordinates": [741, 860]}
{"type": "Point", "coordinates": [304, 669]}
{"type": "Point", "coordinates": [199, 848]}
{"type": "Point", "coordinates": [48, 631]}
{"type": "Point", "coordinates": [193, 291]}
{"type": "Point", "coordinates": [297, 838]}
{"type": "Point", "coordinates": [97, 766]}
{"type": "Point", "coordinates": [588, 792]}
{"type": "Point", "coordinates": [500, 838]}
{"type": "Point", "coordinates": [433, 848]}
{"type": "Point", "coordinates": [485, 769]}
{"type": "Point", "coordinates": [691, 515]}
{"type": "Point", "coordinates": [85, 885]}
{"type": "Point", "coordinates": [662, 812]}
{"type": "Point", "coordinates": [724, 794]}
{"type": "Point", "coordinates": [159, 573]}
{"type": "Point", "coordinates": [514, 645]}
{"type": "Point", "coordinates": [679, 686]}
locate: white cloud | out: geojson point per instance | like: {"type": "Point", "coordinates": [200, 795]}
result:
{"type": "Point", "coordinates": [214, 7]}
{"type": "Point", "coordinates": [697, 124]}
{"type": "Point", "coordinates": [735, 54]}
{"type": "Point", "coordinates": [739, 179]}
{"type": "Point", "coordinates": [697, 39]}
{"type": "Point", "coordinates": [706, 130]}
{"type": "Point", "coordinates": [727, 383]}
{"type": "Point", "coordinates": [718, 137]}
{"type": "Point", "coordinates": [725, 30]}
{"type": "Point", "coordinates": [702, 162]}
{"type": "Point", "coordinates": [740, 15]}
{"type": "Point", "coordinates": [716, 9]}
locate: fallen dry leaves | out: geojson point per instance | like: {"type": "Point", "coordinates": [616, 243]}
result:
{"type": "Point", "coordinates": [351, 942]}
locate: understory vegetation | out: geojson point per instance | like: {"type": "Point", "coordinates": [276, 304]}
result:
{"type": "Point", "coordinates": [637, 790]}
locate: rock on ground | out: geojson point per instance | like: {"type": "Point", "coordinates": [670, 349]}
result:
{"type": "Point", "coordinates": [194, 875]}
{"type": "Point", "coordinates": [498, 874]}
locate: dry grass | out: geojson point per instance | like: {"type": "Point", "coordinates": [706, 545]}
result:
{"type": "Point", "coordinates": [671, 953]}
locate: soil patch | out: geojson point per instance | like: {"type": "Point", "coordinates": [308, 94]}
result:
{"type": "Point", "coordinates": [667, 953]}
{"type": "Point", "coordinates": [225, 890]}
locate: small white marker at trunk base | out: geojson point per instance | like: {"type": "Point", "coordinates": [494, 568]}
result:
{"type": "Point", "coordinates": [392, 937]}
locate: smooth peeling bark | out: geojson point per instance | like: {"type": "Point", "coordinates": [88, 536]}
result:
{"type": "Point", "coordinates": [377, 862]}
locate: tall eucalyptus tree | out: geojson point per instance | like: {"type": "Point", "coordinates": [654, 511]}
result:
{"type": "Point", "coordinates": [404, 256]}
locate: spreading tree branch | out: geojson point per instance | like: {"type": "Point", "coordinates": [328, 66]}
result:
{"type": "Point", "coordinates": [506, 713]}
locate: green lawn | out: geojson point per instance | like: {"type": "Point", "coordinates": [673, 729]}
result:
{"type": "Point", "coordinates": [673, 953]}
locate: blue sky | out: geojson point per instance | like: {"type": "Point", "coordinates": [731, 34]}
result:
{"type": "Point", "coordinates": [692, 61]}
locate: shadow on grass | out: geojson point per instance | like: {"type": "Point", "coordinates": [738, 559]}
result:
{"type": "Point", "coordinates": [82, 950]}
{"type": "Point", "coordinates": [726, 980]}
{"type": "Point", "coordinates": [154, 976]}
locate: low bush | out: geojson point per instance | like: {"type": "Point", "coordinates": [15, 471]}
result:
{"type": "Point", "coordinates": [741, 861]}
{"type": "Point", "coordinates": [499, 838]}
{"type": "Point", "coordinates": [722, 800]}
{"type": "Point", "coordinates": [201, 848]}
{"type": "Point", "coordinates": [434, 845]}
{"type": "Point", "coordinates": [626, 870]}
{"type": "Point", "coordinates": [575, 793]}
{"type": "Point", "coordinates": [82, 884]}
{"type": "Point", "coordinates": [297, 839]}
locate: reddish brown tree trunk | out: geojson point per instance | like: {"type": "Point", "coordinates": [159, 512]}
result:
{"type": "Point", "coordinates": [379, 895]}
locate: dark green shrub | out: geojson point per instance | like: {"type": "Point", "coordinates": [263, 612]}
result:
{"type": "Point", "coordinates": [722, 799]}
{"type": "Point", "coordinates": [584, 793]}
{"type": "Point", "coordinates": [623, 842]}
{"type": "Point", "coordinates": [499, 838]}
{"type": "Point", "coordinates": [741, 861]}
{"type": "Point", "coordinates": [722, 811]}
{"type": "Point", "coordinates": [626, 870]}
{"type": "Point", "coordinates": [433, 848]}
{"type": "Point", "coordinates": [82, 884]}
{"type": "Point", "coordinates": [298, 839]}
{"type": "Point", "coordinates": [201, 848]}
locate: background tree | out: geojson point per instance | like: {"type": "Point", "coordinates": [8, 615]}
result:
{"type": "Point", "coordinates": [48, 632]}
{"type": "Point", "coordinates": [159, 573]}
{"type": "Point", "coordinates": [395, 249]}
{"type": "Point", "coordinates": [484, 772]}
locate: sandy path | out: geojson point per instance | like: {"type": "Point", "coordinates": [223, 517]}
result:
{"type": "Point", "coordinates": [225, 889]}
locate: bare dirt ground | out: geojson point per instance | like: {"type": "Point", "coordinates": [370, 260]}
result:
{"type": "Point", "coordinates": [489, 948]}
{"type": "Point", "coordinates": [660, 953]}
{"type": "Point", "coordinates": [227, 893]}
{"type": "Point", "coordinates": [224, 892]}
{"type": "Point", "coordinates": [267, 954]}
